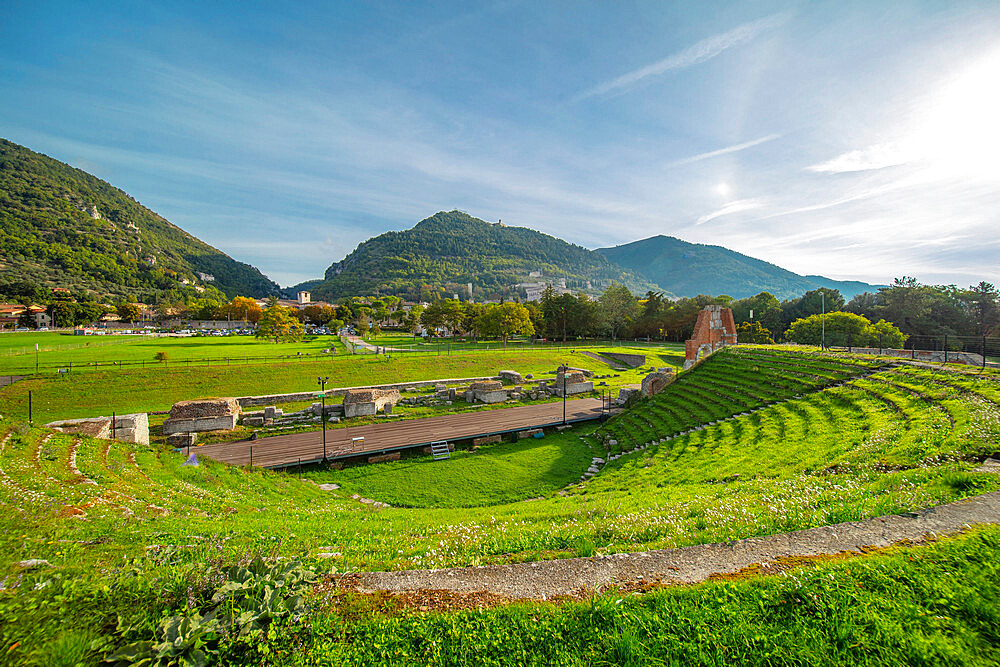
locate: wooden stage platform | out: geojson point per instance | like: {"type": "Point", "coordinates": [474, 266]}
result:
{"type": "Point", "coordinates": [288, 450]}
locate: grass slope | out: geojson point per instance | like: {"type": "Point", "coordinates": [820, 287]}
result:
{"type": "Point", "coordinates": [135, 536]}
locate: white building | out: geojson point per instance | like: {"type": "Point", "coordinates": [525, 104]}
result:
{"type": "Point", "coordinates": [304, 297]}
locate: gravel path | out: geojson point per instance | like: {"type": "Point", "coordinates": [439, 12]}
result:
{"type": "Point", "coordinates": [686, 565]}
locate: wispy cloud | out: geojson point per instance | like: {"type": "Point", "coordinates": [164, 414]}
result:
{"type": "Point", "coordinates": [699, 52]}
{"type": "Point", "coordinates": [874, 157]}
{"type": "Point", "coordinates": [732, 207]}
{"type": "Point", "coordinates": [723, 151]}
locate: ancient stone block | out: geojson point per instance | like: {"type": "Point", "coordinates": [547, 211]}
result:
{"type": "Point", "coordinates": [182, 439]}
{"type": "Point", "coordinates": [486, 440]}
{"type": "Point", "coordinates": [199, 424]}
{"type": "Point", "coordinates": [253, 421]}
{"type": "Point", "coordinates": [510, 377]}
{"type": "Point", "coordinates": [95, 427]}
{"type": "Point", "coordinates": [521, 435]}
{"type": "Point", "coordinates": [625, 394]}
{"type": "Point", "coordinates": [368, 402]}
{"type": "Point", "coordinates": [205, 407]}
{"type": "Point", "coordinates": [489, 391]}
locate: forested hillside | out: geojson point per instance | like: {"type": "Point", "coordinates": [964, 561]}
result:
{"type": "Point", "coordinates": [62, 227]}
{"type": "Point", "coordinates": [452, 249]}
{"type": "Point", "coordinates": [689, 269]}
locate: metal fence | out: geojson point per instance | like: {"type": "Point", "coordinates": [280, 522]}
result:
{"type": "Point", "coordinates": [945, 348]}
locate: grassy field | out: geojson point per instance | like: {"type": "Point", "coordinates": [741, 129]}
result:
{"type": "Point", "coordinates": [59, 350]}
{"type": "Point", "coordinates": [135, 536]}
{"type": "Point", "coordinates": [137, 389]}
{"type": "Point", "coordinates": [500, 473]}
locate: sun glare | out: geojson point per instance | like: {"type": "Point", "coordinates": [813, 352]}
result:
{"type": "Point", "coordinates": [724, 189]}
{"type": "Point", "coordinates": [960, 135]}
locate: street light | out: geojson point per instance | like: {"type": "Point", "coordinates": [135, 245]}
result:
{"type": "Point", "coordinates": [322, 413]}
{"type": "Point", "coordinates": [564, 368]}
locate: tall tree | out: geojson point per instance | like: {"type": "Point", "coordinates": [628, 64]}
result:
{"type": "Point", "coordinates": [619, 308]}
{"type": "Point", "coordinates": [505, 320]}
{"type": "Point", "coordinates": [281, 324]}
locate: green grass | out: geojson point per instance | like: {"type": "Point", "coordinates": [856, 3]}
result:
{"type": "Point", "coordinates": [926, 605]}
{"type": "Point", "coordinates": [500, 473]}
{"type": "Point", "coordinates": [61, 350]}
{"type": "Point", "coordinates": [136, 389]}
{"type": "Point", "coordinates": [150, 537]}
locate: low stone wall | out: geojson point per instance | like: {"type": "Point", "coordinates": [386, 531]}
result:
{"type": "Point", "coordinates": [970, 358]}
{"type": "Point", "coordinates": [271, 399]}
{"type": "Point", "coordinates": [632, 360]}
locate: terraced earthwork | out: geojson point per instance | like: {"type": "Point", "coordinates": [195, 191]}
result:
{"type": "Point", "coordinates": [752, 442]}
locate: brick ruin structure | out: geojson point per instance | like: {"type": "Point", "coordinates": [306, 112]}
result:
{"type": "Point", "coordinates": [715, 328]}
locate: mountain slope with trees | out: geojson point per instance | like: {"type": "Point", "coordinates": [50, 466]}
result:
{"type": "Point", "coordinates": [448, 250]}
{"type": "Point", "coordinates": [689, 269]}
{"type": "Point", "coordinates": [63, 227]}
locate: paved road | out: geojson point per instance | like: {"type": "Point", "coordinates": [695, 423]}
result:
{"type": "Point", "coordinates": [286, 450]}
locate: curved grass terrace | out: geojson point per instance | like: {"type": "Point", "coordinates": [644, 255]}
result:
{"type": "Point", "coordinates": [751, 442]}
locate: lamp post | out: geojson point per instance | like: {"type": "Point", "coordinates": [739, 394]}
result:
{"type": "Point", "coordinates": [822, 298]}
{"type": "Point", "coordinates": [564, 368]}
{"type": "Point", "coordinates": [322, 413]}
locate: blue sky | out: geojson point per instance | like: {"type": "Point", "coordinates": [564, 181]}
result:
{"type": "Point", "coordinates": [850, 139]}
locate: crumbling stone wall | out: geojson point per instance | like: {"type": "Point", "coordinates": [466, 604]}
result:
{"type": "Point", "coordinates": [656, 382]}
{"type": "Point", "coordinates": [715, 328]}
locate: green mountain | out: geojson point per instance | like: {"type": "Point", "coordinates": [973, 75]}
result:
{"type": "Point", "coordinates": [447, 251]}
{"type": "Point", "coordinates": [62, 227]}
{"type": "Point", "coordinates": [689, 269]}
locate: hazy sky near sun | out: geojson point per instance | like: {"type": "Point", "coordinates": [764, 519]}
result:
{"type": "Point", "coordinates": [850, 139]}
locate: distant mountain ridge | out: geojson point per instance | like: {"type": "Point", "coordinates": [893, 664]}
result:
{"type": "Point", "coordinates": [448, 250]}
{"type": "Point", "coordinates": [689, 269]}
{"type": "Point", "coordinates": [63, 227]}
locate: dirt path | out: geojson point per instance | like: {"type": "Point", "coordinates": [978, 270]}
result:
{"type": "Point", "coordinates": [686, 565]}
